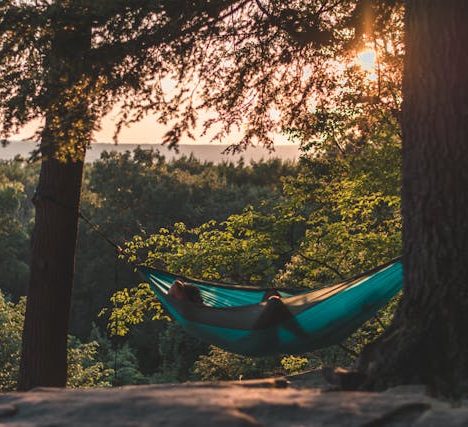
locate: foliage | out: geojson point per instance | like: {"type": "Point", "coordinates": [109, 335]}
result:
{"type": "Point", "coordinates": [222, 365]}
{"type": "Point", "coordinates": [15, 220]}
{"type": "Point", "coordinates": [249, 58]}
{"type": "Point", "coordinates": [84, 367]}
{"type": "Point", "coordinates": [116, 48]}
{"type": "Point", "coordinates": [120, 357]}
{"type": "Point", "coordinates": [126, 366]}
{"type": "Point", "coordinates": [84, 370]}
{"type": "Point", "coordinates": [242, 248]}
{"type": "Point", "coordinates": [294, 364]}
{"type": "Point", "coordinates": [245, 248]}
{"type": "Point", "coordinates": [349, 212]}
{"type": "Point", "coordinates": [178, 351]}
{"type": "Point", "coordinates": [11, 326]}
{"type": "Point", "coordinates": [254, 60]}
{"type": "Point", "coordinates": [351, 208]}
{"type": "Point", "coordinates": [181, 190]}
{"type": "Point", "coordinates": [137, 193]}
{"type": "Point", "coordinates": [130, 307]}
{"type": "Point", "coordinates": [337, 217]}
{"type": "Point", "coordinates": [333, 218]}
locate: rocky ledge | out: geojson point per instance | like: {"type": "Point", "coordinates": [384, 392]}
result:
{"type": "Point", "coordinates": [294, 401]}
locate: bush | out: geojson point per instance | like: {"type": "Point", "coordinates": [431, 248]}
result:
{"type": "Point", "coordinates": [294, 364]}
{"type": "Point", "coordinates": [11, 327]}
{"type": "Point", "coordinates": [219, 364]}
{"type": "Point", "coordinates": [85, 369]}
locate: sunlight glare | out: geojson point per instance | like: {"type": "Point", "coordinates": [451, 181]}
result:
{"type": "Point", "coordinates": [275, 114]}
{"type": "Point", "coordinates": [366, 59]}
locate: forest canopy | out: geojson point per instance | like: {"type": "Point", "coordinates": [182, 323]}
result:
{"type": "Point", "coordinates": [302, 68]}
{"type": "Point", "coordinates": [263, 223]}
{"type": "Point", "coordinates": [263, 67]}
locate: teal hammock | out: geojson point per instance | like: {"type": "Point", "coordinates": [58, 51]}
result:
{"type": "Point", "coordinates": [239, 320]}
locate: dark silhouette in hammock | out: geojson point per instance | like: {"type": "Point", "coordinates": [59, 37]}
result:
{"type": "Point", "coordinates": [185, 292]}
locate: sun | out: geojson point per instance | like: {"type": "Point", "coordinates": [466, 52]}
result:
{"type": "Point", "coordinates": [367, 60]}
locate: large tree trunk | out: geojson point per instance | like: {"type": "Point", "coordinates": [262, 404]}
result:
{"type": "Point", "coordinates": [53, 253]}
{"type": "Point", "coordinates": [64, 138]}
{"type": "Point", "coordinates": [428, 339]}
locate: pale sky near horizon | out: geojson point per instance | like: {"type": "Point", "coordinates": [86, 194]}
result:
{"type": "Point", "coordinates": [148, 131]}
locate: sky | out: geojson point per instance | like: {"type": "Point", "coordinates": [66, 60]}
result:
{"type": "Point", "coordinates": [147, 131]}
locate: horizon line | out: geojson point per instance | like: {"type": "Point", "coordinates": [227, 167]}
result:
{"type": "Point", "coordinates": [211, 144]}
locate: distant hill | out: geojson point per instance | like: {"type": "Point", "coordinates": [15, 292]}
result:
{"type": "Point", "coordinates": [209, 153]}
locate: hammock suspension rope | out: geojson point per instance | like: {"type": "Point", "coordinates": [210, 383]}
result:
{"type": "Point", "coordinates": [238, 319]}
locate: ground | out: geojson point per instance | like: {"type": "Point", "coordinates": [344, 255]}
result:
{"type": "Point", "coordinates": [294, 401]}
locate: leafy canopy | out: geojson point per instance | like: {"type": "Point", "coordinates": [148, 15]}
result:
{"type": "Point", "coordinates": [84, 368]}
{"type": "Point", "coordinates": [261, 65]}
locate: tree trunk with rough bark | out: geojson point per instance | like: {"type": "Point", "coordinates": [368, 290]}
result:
{"type": "Point", "coordinates": [63, 142]}
{"type": "Point", "coordinates": [428, 339]}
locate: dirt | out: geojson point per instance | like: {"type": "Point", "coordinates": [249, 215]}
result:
{"type": "Point", "coordinates": [300, 400]}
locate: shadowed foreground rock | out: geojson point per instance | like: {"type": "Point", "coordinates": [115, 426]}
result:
{"type": "Point", "coordinates": [250, 403]}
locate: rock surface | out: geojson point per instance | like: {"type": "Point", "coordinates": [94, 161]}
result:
{"type": "Point", "coordinates": [274, 402]}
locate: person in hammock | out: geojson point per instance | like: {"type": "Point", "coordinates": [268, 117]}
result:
{"type": "Point", "coordinates": [271, 294]}
{"type": "Point", "coordinates": [275, 312]}
{"type": "Point", "coordinates": [185, 292]}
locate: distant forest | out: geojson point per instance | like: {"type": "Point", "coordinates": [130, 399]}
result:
{"type": "Point", "coordinates": [374, 92]}
{"type": "Point", "coordinates": [210, 153]}
{"type": "Point", "coordinates": [304, 224]}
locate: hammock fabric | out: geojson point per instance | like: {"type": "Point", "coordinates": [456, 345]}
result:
{"type": "Point", "coordinates": [237, 319]}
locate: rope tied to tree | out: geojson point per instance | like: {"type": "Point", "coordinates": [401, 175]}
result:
{"type": "Point", "coordinates": [91, 224]}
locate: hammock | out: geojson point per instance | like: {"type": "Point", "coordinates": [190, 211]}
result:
{"type": "Point", "coordinates": [237, 319]}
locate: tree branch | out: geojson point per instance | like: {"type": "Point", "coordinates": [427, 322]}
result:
{"type": "Point", "coordinates": [162, 35]}
{"type": "Point", "coordinates": [322, 263]}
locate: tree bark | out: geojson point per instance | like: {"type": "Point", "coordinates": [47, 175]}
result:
{"type": "Point", "coordinates": [64, 139]}
{"type": "Point", "coordinates": [44, 354]}
{"type": "Point", "coordinates": [428, 339]}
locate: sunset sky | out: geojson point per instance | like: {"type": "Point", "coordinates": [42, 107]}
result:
{"type": "Point", "coordinates": [148, 131]}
